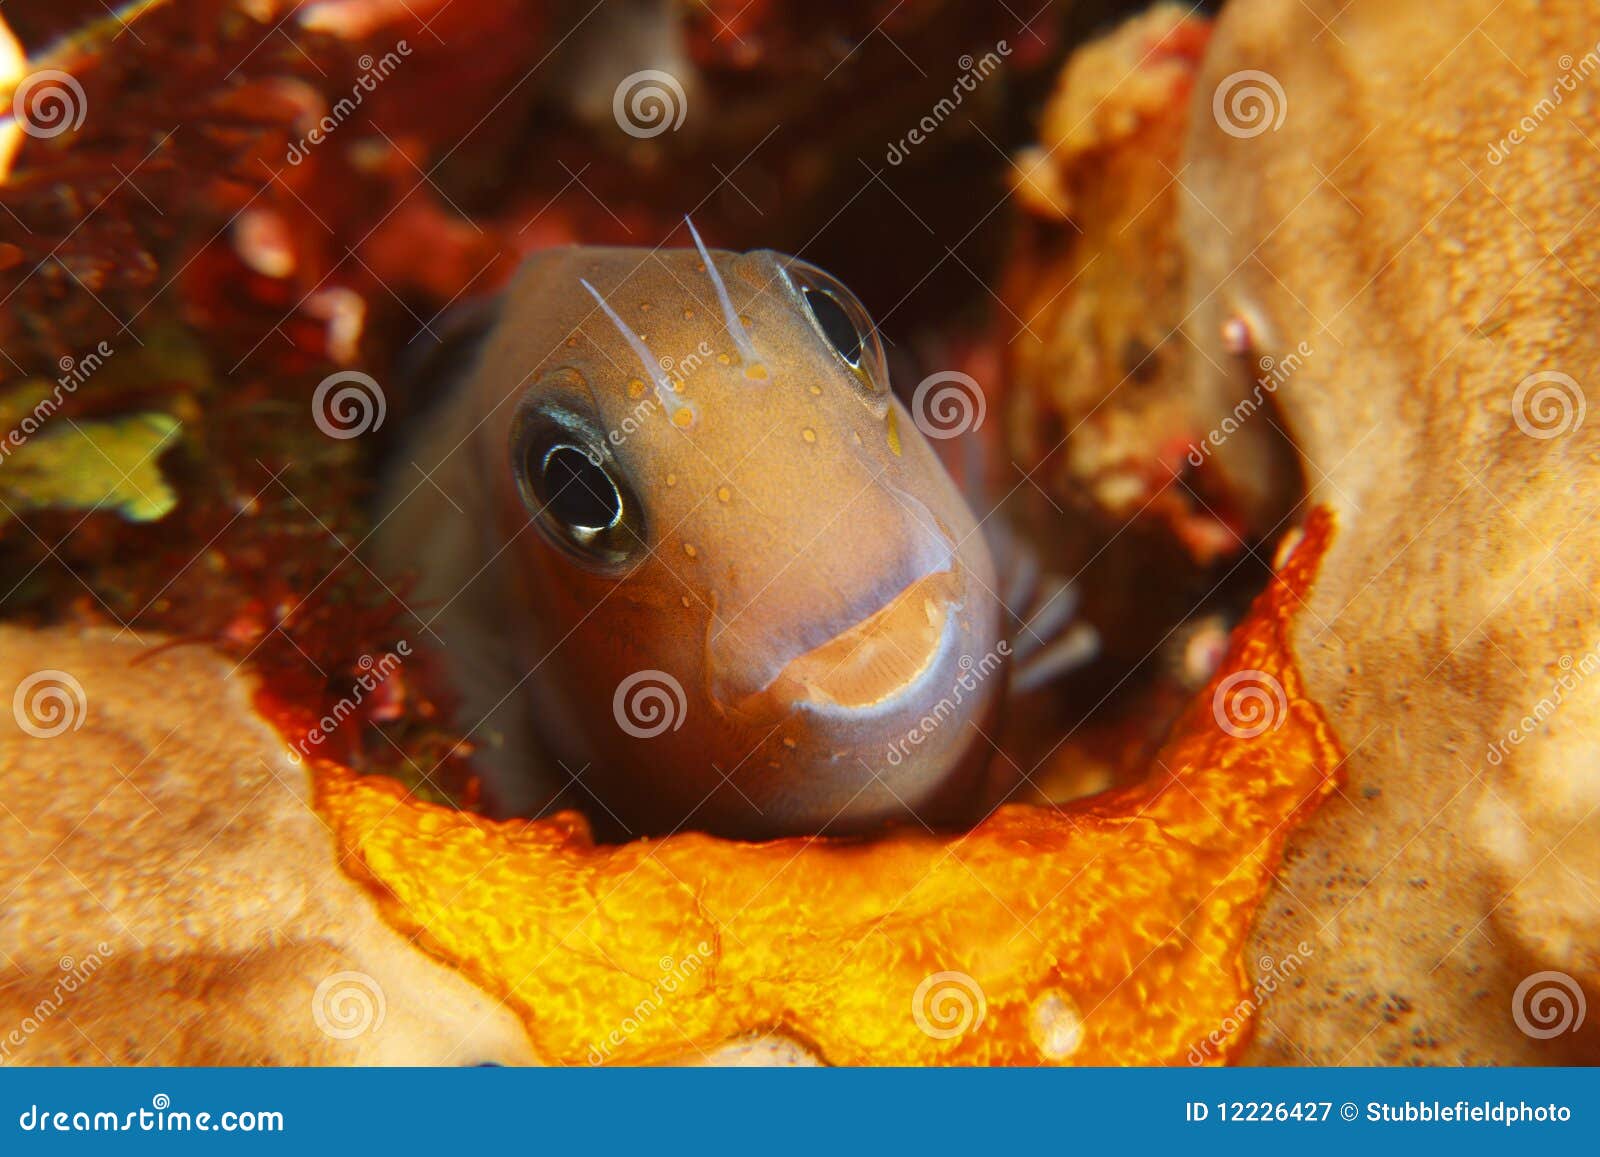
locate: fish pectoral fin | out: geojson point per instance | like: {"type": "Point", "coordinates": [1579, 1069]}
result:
{"type": "Point", "coordinates": [1071, 650]}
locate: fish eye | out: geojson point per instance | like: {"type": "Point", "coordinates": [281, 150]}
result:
{"type": "Point", "coordinates": [580, 499]}
{"type": "Point", "coordinates": [576, 491]}
{"type": "Point", "coordinates": [843, 323]}
{"type": "Point", "coordinates": [835, 322]}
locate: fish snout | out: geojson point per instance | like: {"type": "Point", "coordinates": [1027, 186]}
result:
{"type": "Point", "coordinates": [878, 660]}
{"type": "Point", "coordinates": [853, 647]}
{"type": "Point", "coordinates": [880, 721]}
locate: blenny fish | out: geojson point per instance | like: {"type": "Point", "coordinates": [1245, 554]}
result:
{"type": "Point", "coordinates": [690, 561]}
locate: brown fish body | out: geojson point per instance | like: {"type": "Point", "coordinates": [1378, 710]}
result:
{"type": "Point", "coordinates": [693, 564]}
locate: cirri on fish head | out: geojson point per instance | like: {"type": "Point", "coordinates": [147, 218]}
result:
{"type": "Point", "coordinates": [692, 563]}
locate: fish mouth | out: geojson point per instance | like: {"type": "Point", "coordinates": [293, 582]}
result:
{"type": "Point", "coordinates": [875, 662]}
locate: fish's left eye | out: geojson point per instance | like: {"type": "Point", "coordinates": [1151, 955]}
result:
{"type": "Point", "coordinates": [835, 322]}
{"type": "Point", "coordinates": [843, 323]}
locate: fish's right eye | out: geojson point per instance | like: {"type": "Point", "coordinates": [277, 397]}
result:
{"type": "Point", "coordinates": [579, 498]}
{"type": "Point", "coordinates": [576, 490]}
